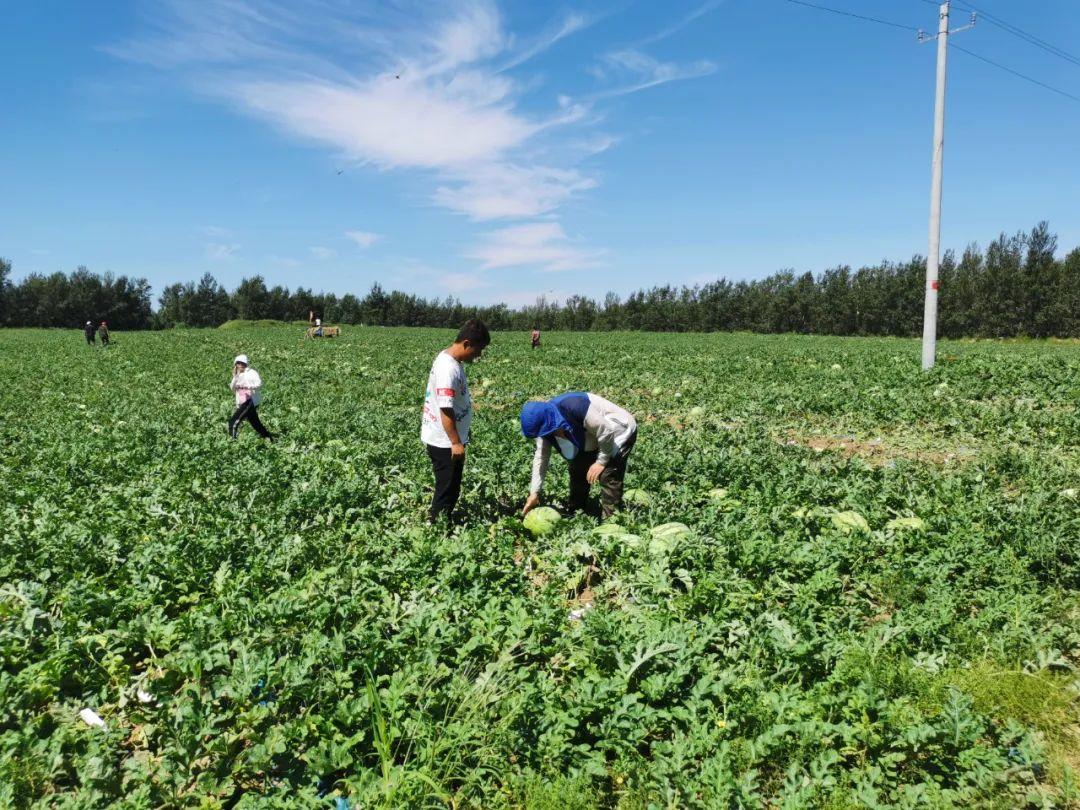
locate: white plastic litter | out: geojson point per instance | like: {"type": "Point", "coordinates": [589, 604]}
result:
{"type": "Point", "coordinates": [577, 614]}
{"type": "Point", "coordinates": [144, 696]}
{"type": "Point", "coordinates": [92, 718]}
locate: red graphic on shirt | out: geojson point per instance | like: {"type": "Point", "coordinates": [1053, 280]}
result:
{"type": "Point", "coordinates": [444, 392]}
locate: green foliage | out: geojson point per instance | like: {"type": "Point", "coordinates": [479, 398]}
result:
{"type": "Point", "coordinates": [276, 625]}
{"type": "Point", "coordinates": [1016, 288]}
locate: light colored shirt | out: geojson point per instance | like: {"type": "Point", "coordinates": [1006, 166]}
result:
{"type": "Point", "coordinates": [608, 429]}
{"type": "Point", "coordinates": [247, 385]}
{"type": "Point", "coordinates": [446, 388]}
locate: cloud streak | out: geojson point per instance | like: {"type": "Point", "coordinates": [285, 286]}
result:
{"type": "Point", "coordinates": [643, 71]}
{"type": "Point", "coordinates": [363, 239]}
{"type": "Point", "coordinates": [541, 244]}
{"type": "Point", "coordinates": [676, 27]}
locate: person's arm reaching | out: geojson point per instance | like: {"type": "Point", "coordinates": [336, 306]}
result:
{"type": "Point", "coordinates": [541, 458]}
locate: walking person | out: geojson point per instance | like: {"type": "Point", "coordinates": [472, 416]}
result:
{"type": "Point", "coordinates": [88, 333]}
{"type": "Point", "coordinates": [103, 332]}
{"type": "Point", "coordinates": [535, 337]}
{"type": "Point", "coordinates": [246, 384]}
{"type": "Point", "coordinates": [447, 415]}
{"type": "Point", "coordinates": [593, 434]}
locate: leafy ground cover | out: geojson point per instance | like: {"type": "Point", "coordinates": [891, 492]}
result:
{"type": "Point", "coordinates": [873, 602]}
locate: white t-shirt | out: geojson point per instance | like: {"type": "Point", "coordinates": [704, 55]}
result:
{"type": "Point", "coordinates": [446, 388]}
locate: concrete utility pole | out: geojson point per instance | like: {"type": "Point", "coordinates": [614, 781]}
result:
{"type": "Point", "coordinates": [933, 258]}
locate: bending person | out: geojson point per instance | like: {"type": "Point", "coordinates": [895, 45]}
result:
{"type": "Point", "coordinates": [594, 435]}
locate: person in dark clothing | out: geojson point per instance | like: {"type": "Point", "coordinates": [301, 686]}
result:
{"type": "Point", "coordinates": [103, 331]}
{"type": "Point", "coordinates": [88, 331]}
{"type": "Point", "coordinates": [247, 412]}
{"type": "Point", "coordinates": [447, 415]}
{"type": "Point", "coordinates": [246, 384]}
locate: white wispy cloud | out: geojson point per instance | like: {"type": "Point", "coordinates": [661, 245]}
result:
{"type": "Point", "coordinates": [215, 232]}
{"type": "Point", "coordinates": [221, 252]}
{"type": "Point", "coordinates": [364, 239]}
{"type": "Point", "coordinates": [457, 283]}
{"type": "Point", "coordinates": [570, 24]}
{"type": "Point", "coordinates": [282, 261]}
{"type": "Point", "coordinates": [541, 244]}
{"type": "Point", "coordinates": [679, 25]}
{"type": "Point", "coordinates": [641, 71]}
{"type": "Point", "coordinates": [408, 86]}
{"type": "Point", "coordinates": [504, 190]}
{"type": "Point", "coordinates": [322, 253]}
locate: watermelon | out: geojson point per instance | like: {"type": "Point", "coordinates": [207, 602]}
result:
{"type": "Point", "coordinates": [915, 524]}
{"type": "Point", "coordinates": [637, 497]}
{"type": "Point", "coordinates": [665, 537]}
{"type": "Point", "coordinates": [609, 530]}
{"type": "Point", "coordinates": [849, 522]}
{"type": "Point", "coordinates": [670, 531]}
{"type": "Point", "coordinates": [542, 520]}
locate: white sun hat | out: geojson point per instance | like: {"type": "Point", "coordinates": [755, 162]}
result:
{"type": "Point", "coordinates": [241, 358]}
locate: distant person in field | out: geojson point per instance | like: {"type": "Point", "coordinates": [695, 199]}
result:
{"type": "Point", "coordinates": [447, 415]}
{"type": "Point", "coordinates": [318, 327]}
{"type": "Point", "coordinates": [594, 435]}
{"type": "Point", "coordinates": [246, 385]}
{"type": "Point", "coordinates": [103, 333]}
{"type": "Point", "coordinates": [535, 338]}
{"type": "Point", "coordinates": [88, 332]}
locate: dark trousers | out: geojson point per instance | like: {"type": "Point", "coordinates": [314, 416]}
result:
{"type": "Point", "coordinates": [448, 471]}
{"type": "Point", "coordinates": [247, 411]}
{"type": "Point", "coordinates": [611, 480]}
{"type": "Point", "coordinates": [90, 338]}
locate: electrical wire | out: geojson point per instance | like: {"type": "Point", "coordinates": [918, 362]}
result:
{"type": "Point", "coordinates": [850, 14]}
{"type": "Point", "coordinates": [1014, 72]}
{"type": "Point", "coordinates": [1009, 28]}
{"type": "Point", "coordinates": [1001, 23]}
{"type": "Point", "coordinates": [1022, 34]}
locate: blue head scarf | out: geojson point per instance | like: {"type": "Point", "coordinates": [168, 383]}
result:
{"type": "Point", "coordinates": [566, 412]}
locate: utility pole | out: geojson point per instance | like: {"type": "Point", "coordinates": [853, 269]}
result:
{"type": "Point", "coordinates": [933, 258]}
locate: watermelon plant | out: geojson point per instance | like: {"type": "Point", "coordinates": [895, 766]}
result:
{"type": "Point", "coordinates": [846, 583]}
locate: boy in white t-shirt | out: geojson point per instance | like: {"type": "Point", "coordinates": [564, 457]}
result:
{"type": "Point", "coordinates": [447, 415]}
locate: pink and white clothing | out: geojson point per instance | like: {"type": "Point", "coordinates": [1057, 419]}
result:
{"type": "Point", "coordinates": [247, 385]}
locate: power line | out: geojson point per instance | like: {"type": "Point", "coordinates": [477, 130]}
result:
{"type": "Point", "coordinates": [1015, 73]}
{"type": "Point", "coordinates": [1009, 28]}
{"type": "Point", "coordinates": [1022, 34]}
{"type": "Point", "coordinates": [850, 14]}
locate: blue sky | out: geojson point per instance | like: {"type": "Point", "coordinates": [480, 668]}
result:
{"type": "Point", "coordinates": [497, 151]}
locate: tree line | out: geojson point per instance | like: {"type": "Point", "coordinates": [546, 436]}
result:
{"type": "Point", "coordinates": [1016, 287]}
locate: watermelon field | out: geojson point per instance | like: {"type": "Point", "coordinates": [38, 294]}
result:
{"type": "Point", "coordinates": [872, 600]}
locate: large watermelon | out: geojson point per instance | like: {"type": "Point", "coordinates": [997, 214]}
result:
{"type": "Point", "coordinates": [542, 520]}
